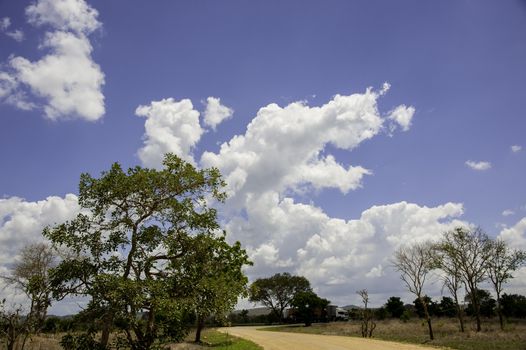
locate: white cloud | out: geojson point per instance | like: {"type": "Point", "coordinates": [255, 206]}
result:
{"type": "Point", "coordinates": [282, 148]}
{"type": "Point", "coordinates": [64, 15]}
{"type": "Point", "coordinates": [508, 212]}
{"type": "Point", "coordinates": [16, 34]}
{"type": "Point", "coordinates": [516, 235]}
{"type": "Point", "coordinates": [22, 222]}
{"type": "Point", "coordinates": [338, 256]}
{"type": "Point", "coordinates": [67, 78]}
{"type": "Point", "coordinates": [516, 148]}
{"type": "Point", "coordinates": [402, 115]}
{"type": "Point", "coordinates": [5, 23]}
{"type": "Point", "coordinates": [479, 166]}
{"type": "Point", "coordinates": [215, 112]}
{"type": "Point", "coordinates": [171, 126]}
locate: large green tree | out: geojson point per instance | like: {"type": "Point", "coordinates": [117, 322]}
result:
{"type": "Point", "coordinates": [277, 292]}
{"type": "Point", "coordinates": [135, 248]}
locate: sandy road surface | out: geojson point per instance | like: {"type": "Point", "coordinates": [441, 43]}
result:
{"type": "Point", "coordinates": [299, 341]}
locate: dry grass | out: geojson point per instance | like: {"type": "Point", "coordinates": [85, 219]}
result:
{"type": "Point", "coordinates": [40, 342]}
{"type": "Point", "coordinates": [446, 333]}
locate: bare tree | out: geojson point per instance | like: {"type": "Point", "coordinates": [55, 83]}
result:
{"type": "Point", "coordinates": [368, 325]}
{"type": "Point", "coordinates": [452, 279]}
{"type": "Point", "coordinates": [501, 264]}
{"type": "Point", "coordinates": [414, 264]}
{"type": "Point", "coordinates": [12, 326]}
{"type": "Point", "coordinates": [30, 274]}
{"type": "Point", "coordinates": [469, 250]}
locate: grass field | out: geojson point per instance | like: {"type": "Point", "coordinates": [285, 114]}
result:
{"type": "Point", "coordinates": [217, 341]}
{"type": "Point", "coordinates": [415, 331]}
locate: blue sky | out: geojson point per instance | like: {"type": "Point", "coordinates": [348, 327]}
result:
{"type": "Point", "coordinates": [70, 92]}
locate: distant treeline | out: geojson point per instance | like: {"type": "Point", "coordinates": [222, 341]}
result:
{"type": "Point", "coordinates": [513, 306]}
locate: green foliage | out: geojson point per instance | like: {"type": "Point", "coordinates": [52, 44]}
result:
{"type": "Point", "coordinates": [80, 342]}
{"type": "Point", "coordinates": [448, 307]}
{"type": "Point", "coordinates": [395, 307]}
{"type": "Point", "coordinates": [148, 250]}
{"type": "Point", "coordinates": [405, 316]}
{"type": "Point", "coordinates": [433, 307]}
{"type": "Point", "coordinates": [513, 305]}
{"type": "Point", "coordinates": [277, 292]}
{"type": "Point", "coordinates": [381, 313]}
{"type": "Point", "coordinates": [487, 304]}
{"type": "Point", "coordinates": [309, 306]}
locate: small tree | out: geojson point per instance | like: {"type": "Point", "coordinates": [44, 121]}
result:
{"type": "Point", "coordinates": [452, 278]}
{"type": "Point", "coordinates": [12, 326]}
{"type": "Point", "coordinates": [501, 264]}
{"type": "Point", "coordinates": [307, 304]}
{"type": "Point", "coordinates": [30, 274]}
{"type": "Point", "coordinates": [413, 262]}
{"type": "Point", "coordinates": [277, 292]}
{"type": "Point", "coordinates": [395, 306]}
{"type": "Point", "coordinates": [469, 250]}
{"type": "Point", "coordinates": [368, 325]}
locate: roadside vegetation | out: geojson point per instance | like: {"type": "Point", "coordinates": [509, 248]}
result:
{"type": "Point", "coordinates": [218, 341]}
{"type": "Point", "coordinates": [415, 331]}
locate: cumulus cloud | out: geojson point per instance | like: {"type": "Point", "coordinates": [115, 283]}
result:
{"type": "Point", "coordinates": [479, 166]}
{"type": "Point", "coordinates": [508, 212]}
{"type": "Point", "coordinates": [516, 148]}
{"type": "Point", "coordinates": [283, 147]}
{"type": "Point", "coordinates": [171, 126]}
{"type": "Point", "coordinates": [22, 222]}
{"type": "Point", "coordinates": [215, 112]}
{"type": "Point", "coordinates": [67, 78]}
{"type": "Point", "coordinates": [338, 256]}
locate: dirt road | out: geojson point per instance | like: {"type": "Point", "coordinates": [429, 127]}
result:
{"type": "Point", "coordinates": [299, 341]}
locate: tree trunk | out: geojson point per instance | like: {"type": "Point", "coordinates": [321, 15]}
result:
{"type": "Point", "coordinates": [459, 314]}
{"type": "Point", "coordinates": [428, 318]}
{"type": "Point", "coordinates": [106, 329]}
{"type": "Point", "coordinates": [477, 313]}
{"type": "Point", "coordinates": [460, 319]}
{"type": "Point", "coordinates": [200, 326]}
{"type": "Point", "coordinates": [499, 312]}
